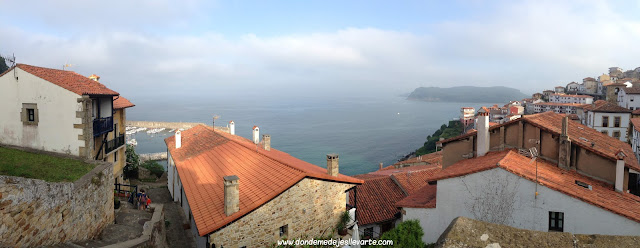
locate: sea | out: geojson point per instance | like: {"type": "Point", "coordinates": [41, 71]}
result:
{"type": "Point", "coordinates": [363, 131]}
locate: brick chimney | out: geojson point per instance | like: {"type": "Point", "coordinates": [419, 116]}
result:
{"type": "Point", "coordinates": [266, 142]}
{"type": "Point", "coordinates": [232, 128]}
{"type": "Point", "coordinates": [256, 135]}
{"type": "Point", "coordinates": [332, 164]}
{"type": "Point", "coordinates": [231, 194]}
{"type": "Point", "coordinates": [178, 139]}
{"type": "Point", "coordinates": [620, 171]}
{"type": "Point", "coordinates": [483, 135]}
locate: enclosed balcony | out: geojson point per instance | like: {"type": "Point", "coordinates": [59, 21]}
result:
{"type": "Point", "coordinates": [102, 125]}
{"type": "Point", "coordinates": [114, 143]}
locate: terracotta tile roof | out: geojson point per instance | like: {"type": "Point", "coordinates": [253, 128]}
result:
{"type": "Point", "coordinates": [120, 102]}
{"type": "Point", "coordinates": [431, 158]}
{"type": "Point", "coordinates": [205, 157]}
{"type": "Point", "coordinates": [601, 194]}
{"type": "Point", "coordinates": [636, 123]}
{"type": "Point", "coordinates": [69, 80]}
{"type": "Point", "coordinates": [382, 189]}
{"type": "Point", "coordinates": [422, 198]}
{"type": "Point", "coordinates": [604, 106]}
{"type": "Point", "coordinates": [636, 112]}
{"type": "Point", "coordinates": [604, 145]}
{"type": "Point", "coordinates": [632, 90]}
{"type": "Point", "coordinates": [376, 200]}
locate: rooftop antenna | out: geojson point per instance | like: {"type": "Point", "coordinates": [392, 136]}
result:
{"type": "Point", "coordinates": [214, 121]}
{"type": "Point", "coordinates": [66, 65]}
{"type": "Point", "coordinates": [12, 63]}
{"type": "Point", "coordinates": [534, 158]}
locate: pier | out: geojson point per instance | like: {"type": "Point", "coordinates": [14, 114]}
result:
{"type": "Point", "coordinates": [153, 156]}
{"type": "Point", "coordinates": [170, 125]}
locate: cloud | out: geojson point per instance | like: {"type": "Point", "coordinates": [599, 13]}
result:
{"type": "Point", "coordinates": [528, 44]}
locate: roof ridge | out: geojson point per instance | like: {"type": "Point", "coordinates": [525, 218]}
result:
{"type": "Point", "coordinates": [395, 180]}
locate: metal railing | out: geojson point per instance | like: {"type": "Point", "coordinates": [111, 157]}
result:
{"type": "Point", "coordinates": [114, 143]}
{"type": "Point", "coordinates": [102, 125]}
{"type": "Point", "coordinates": [124, 190]}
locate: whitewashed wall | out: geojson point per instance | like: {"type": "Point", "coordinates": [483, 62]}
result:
{"type": "Point", "coordinates": [595, 122]}
{"type": "Point", "coordinates": [455, 199]}
{"type": "Point", "coordinates": [56, 112]}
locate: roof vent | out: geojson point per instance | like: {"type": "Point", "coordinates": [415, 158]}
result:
{"type": "Point", "coordinates": [585, 139]}
{"type": "Point", "coordinates": [584, 185]}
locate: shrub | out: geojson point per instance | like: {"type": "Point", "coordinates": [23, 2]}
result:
{"type": "Point", "coordinates": [154, 167]}
{"type": "Point", "coordinates": [133, 160]}
{"type": "Point", "coordinates": [116, 203]}
{"type": "Point", "coordinates": [407, 234]}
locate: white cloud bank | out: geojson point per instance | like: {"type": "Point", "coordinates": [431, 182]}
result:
{"type": "Point", "coordinates": [527, 45]}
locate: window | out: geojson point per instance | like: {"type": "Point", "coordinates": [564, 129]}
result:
{"type": "Point", "coordinates": [616, 134]}
{"type": "Point", "coordinates": [368, 232]}
{"type": "Point", "coordinates": [616, 121]}
{"type": "Point", "coordinates": [115, 156]}
{"type": "Point", "coordinates": [29, 114]}
{"type": "Point", "coordinates": [284, 231]}
{"type": "Point", "coordinates": [556, 221]}
{"type": "Point", "coordinates": [605, 121]}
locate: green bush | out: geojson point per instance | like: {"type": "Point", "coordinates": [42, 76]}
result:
{"type": "Point", "coordinates": [452, 130]}
{"type": "Point", "coordinates": [407, 234]}
{"type": "Point", "coordinates": [116, 203]}
{"type": "Point", "coordinates": [133, 160]}
{"type": "Point", "coordinates": [154, 167]}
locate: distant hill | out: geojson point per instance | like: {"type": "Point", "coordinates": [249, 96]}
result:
{"type": "Point", "coordinates": [496, 94]}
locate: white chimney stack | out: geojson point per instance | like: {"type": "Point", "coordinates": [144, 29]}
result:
{"type": "Point", "coordinates": [178, 139]}
{"type": "Point", "coordinates": [232, 128]}
{"type": "Point", "coordinates": [620, 171]}
{"type": "Point", "coordinates": [483, 135]}
{"type": "Point", "coordinates": [256, 134]}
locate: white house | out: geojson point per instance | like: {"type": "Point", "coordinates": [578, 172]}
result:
{"type": "Point", "coordinates": [573, 87]}
{"type": "Point", "coordinates": [629, 98]}
{"type": "Point", "coordinates": [607, 118]}
{"type": "Point", "coordinates": [63, 112]}
{"type": "Point", "coordinates": [564, 98]}
{"type": "Point", "coordinates": [575, 180]}
{"type": "Point", "coordinates": [558, 89]}
{"type": "Point", "coordinates": [560, 108]}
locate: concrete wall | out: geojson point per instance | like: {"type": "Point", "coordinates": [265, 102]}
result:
{"type": "Point", "coordinates": [455, 151]}
{"type": "Point", "coordinates": [309, 208]}
{"type": "Point", "coordinates": [56, 106]}
{"type": "Point", "coordinates": [456, 197]}
{"type": "Point", "coordinates": [36, 213]}
{"type": "Point", "coordinates": [595, 166]}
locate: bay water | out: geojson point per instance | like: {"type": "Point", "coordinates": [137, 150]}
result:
{"type": "Point", "coordinates": [364, 131]}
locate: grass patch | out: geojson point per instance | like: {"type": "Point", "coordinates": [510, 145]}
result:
{"type": "Point", "coordinates": [50, 168]}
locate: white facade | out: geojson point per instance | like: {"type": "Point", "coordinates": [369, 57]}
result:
{"type": "Point", "coordinates": [596, 120]}
{"type": "Point", "coordinates": [456, 198]}
{"type": "Point", "coordinates": [56, 110]}
{"type": "Point", "coordinates": [635, 142]}
{"type": "Point", "coordinates": [560, 108]}
{"type": "Point", "coordinates": [562, 98]}
{"type": "Point", "coordinates": [629, 101]}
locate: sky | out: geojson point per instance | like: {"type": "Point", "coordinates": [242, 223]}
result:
{"type": "Point", "coordinates": [192, 48]}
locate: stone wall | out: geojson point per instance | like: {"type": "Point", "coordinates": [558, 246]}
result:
{"type": "Point", "coordinates": [36, 213]}
{"type": "Point", "coordinates": [171, 125]}
{"type": "Point", "coordinates": [311, 209]}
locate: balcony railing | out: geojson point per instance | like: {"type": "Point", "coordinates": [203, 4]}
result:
{"type": "Point", "coordinates": [114, 144]}
{"type": "Point", "coordinates": [102, 125]}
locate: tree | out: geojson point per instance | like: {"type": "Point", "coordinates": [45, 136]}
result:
{"type": "Point", "coordinates": [133, 161]}
{"type": "Point", "coordinates": [3, 65]}
{"type": "Point", "coordinates": [407, 234]}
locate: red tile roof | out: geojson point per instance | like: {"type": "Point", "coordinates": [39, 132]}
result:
{"type": "Point", "coordinates": [601, 194]}
{"type": "Point", "coordinates": [120, 102]}
{"type": "Point", "coordinates": [205, 157]}
{"type": "Point", "coordinates": [632, 90]}
{"type": "Point", "coordinates": [636, 123]}
{"type": "Point", "coordinates": [422, 198]}
{"type": "Point", "coordinates": [604, 106]}
{"type": "Point", "coordinates": [431, 158]}
{"type": "Point", "coordinates": [603, 144]}
{"type": "Point", "coordinates": [69, 80]}
{"type": "Point", "coordinates": [382, 189]}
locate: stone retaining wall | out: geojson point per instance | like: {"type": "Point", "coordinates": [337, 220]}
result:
{"type": "Point", "coordinates": [36, 213]}
{"type": "Point", "coordinates": [170, 125]}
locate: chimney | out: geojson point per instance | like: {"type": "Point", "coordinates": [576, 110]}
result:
{"type": "Point", "coordinates": [178, 139]}
{"type": "Point", "coordinates": [266, 142]}
{"type": "Point", "coordinates": [231, 194]}
{"type": "Point", "coordinates": [381, 166]}
{"type": "Point", "coordinates": [232, 128]}
{"type": "Point", "coordinates": [565, 126]}
{"type": "Point", "coordinates": [256, 135]}
{"type": "Point", "coordinates": [332, 164]}
{"type": "Point", "coordinates": [620, 171]}
{"type": "Point", "coordinates": [483, 135]}
{"type": "Point", "coordinates": [564, 153]}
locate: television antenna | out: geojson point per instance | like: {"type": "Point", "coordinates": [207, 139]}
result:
{"type": "Point", "coordinates": [534, 158]}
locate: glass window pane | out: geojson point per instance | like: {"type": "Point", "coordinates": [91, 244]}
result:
{"type": "Point", "coordinates": [560, 223]}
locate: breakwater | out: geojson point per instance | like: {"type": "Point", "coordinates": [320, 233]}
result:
{"type": "Point", "coordinates": [153, 156]}
{"type": "Point", "coordinates": [169, 125]}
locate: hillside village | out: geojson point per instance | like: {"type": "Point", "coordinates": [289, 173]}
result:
{"type": "Point", "coordinates": [564, 160]}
